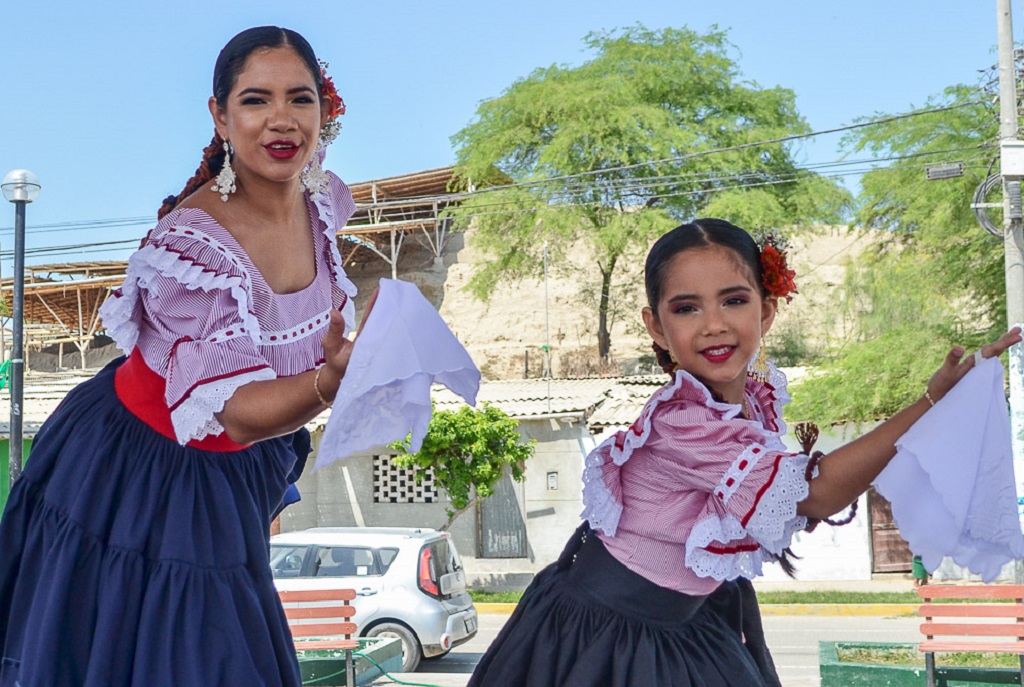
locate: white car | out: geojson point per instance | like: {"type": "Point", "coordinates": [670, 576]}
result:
{"type": "Point", "coordinates": [409, 582]}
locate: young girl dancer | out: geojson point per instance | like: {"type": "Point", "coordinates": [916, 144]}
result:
{"type": "Point", "coordinates": [700, 490]}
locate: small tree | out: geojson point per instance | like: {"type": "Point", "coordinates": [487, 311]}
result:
{"type": "Point", "coordinates": [468, 449]}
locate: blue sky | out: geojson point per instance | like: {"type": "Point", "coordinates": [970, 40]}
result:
{"type": "Point", "coordinates": [106, 101]}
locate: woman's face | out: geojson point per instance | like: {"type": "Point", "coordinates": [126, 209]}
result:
{"type": "Point", "coordinates": [272, 116]}
{"type": "Point", "coordinates": [711, 318]}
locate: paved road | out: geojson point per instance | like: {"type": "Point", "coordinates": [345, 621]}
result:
{"type": "Point", "coordinates": [793, 641]}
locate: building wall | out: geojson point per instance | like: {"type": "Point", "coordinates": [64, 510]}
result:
{"type": "Point", "coordinates": [551, 515]}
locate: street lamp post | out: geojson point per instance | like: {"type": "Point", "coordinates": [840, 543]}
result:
{"type": "Point", "coordinates": [20, 187]}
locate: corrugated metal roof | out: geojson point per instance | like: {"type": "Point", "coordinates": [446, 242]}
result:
{"type": "Point", "coordinates": [609, 400]}
{"type": "Point", "coordinates": [600, 401]}
{"type": "Point", "coordinates": [42, 392]}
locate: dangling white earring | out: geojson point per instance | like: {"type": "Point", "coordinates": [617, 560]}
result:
{"type": "Point", "coordinates": [314, 179]}
{"type": "Point", "coordinates": [225, 183]}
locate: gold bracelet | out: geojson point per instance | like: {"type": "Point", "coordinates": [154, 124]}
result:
{"type": "Point", "coordinates": [316, 387]}
{"type": "Point", "coordinates": [927, 397]}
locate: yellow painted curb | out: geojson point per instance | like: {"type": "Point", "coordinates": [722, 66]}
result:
{"type": "Point", "coordinates": [777, 609]}
{"type": "Point", "coordinates": [495, 607]}
{"type": "Point", "coordinates": [840, 609]}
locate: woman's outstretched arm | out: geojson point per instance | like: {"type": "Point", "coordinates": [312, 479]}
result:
{"type": "Point", "coordinates": [847, 472]}
{"type": "Point", "coordinates": [265, 409]}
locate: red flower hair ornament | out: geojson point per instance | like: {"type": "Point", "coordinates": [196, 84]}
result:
{"type": "Point", "coordinates": [335, 107]}
{"type": "Point", "coordinates": [776, 276]}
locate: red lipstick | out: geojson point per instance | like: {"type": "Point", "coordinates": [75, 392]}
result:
{"type": "Point", "coordinates": [282, 150]}
{"type": "Point", "coordinates": [718, 354]}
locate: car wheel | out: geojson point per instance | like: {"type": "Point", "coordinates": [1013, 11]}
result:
{"type": "Point", "coordinates": [411, 651]}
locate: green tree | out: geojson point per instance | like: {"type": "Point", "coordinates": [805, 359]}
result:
{"type": "Point", "coordinates": [935, 277]}
{"type": "Point", "coordinates": [599, 159]}
{"type": "Point", "coordinates": [469, 450]}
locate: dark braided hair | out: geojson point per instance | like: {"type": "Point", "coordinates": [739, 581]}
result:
{"type": "Point", "coordinates": [230, 63]}
{"type": "Point", "coordinates": [700, 233]}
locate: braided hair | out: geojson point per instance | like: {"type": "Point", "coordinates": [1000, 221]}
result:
{"type": "Point", "coordinates": [230, 63]}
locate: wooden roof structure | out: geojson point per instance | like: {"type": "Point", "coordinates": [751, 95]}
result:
{"type": "Point", "coordinates": [62, 301]}
{"type": "Point", "coordinates": [393, 208]}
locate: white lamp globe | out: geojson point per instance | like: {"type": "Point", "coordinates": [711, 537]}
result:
{"type": "Point", "coordinates": [20, 186]}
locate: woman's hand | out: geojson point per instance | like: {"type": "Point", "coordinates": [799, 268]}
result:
{"type": "Point", "coordinates": [956, 366]}
{"type": "Point", "coordinates": [338, 349]}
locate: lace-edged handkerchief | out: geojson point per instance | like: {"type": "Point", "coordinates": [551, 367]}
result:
{"type": "Point", "coordinates": [404, 347]}
{"type": "Point", "coordinates": [951, 483]}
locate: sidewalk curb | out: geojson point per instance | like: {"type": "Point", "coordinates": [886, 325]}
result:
{"type": "Point", "coordinates": [889, 610]}
{"type": "Point", "coordinates": [778, 609]}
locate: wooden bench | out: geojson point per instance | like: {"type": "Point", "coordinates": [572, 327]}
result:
{"type": "Point", "coordinates": [331, 627]}
{"type": "Point", "coordinates": [986, 627]}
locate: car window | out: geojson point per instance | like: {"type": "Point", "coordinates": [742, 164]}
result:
{"type": "Point", "coordinates": [387, 557]}
{"type": "Point", "coordinates": [286, 561]}
{"type": "Point", "coordinates": [444, 558]}
{"type": "Point", "coordinates": [344, 561]}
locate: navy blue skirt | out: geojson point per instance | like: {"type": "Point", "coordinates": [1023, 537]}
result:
{"type": "Point", "coordinates": [126, 559]}
{"type": "Point", "coordinates": [588, 621]}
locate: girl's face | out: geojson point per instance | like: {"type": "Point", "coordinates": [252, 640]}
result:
{"type": "Point", "coordinates": [711, 317]}
{"type": "Point", "coordinates": [272, 116]}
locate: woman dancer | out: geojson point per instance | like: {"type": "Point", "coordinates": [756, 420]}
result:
{"type": "Point", "coordinates": [134, 546]}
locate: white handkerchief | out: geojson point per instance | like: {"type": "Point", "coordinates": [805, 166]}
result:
{"type": "Point", "coordinates": [951, 483]}
{"type": "Point", "coordinates": [384, 396]}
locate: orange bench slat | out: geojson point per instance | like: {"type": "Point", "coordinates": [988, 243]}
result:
{"type": "Point", "coordinates": [973, 629]}
{"type": "Point", "coordinates": [317, 595]}
{"type": "Point", "coordinates": [973, 591]}
{"type": "Point", "coordinates": [989, 647]}
{"type": "Point", "coordinates": [322, 629]}
{"type": "Point", "coordinates": [971, 611]}
{"type": "Point", "coordinates": [318, 644]}
{"type": "Point", "coordinates": [319, 612]}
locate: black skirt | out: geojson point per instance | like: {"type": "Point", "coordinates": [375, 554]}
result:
{"type": "Point", "coordinates": [588, 621]}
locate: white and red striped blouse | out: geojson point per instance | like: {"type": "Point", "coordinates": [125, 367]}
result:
{"type": "Point", "coordinates": [693, 494]}
{"type": "Point", "coordinates": [201, 316]}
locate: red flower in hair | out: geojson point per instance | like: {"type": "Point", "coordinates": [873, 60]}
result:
{"type": "Point", "coordinates": [776, 275]}
{"type": "Point", "coordinates": [335, 105]}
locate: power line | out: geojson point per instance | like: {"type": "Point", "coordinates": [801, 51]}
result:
{"type": "Point", "coordinates": [148, 221]}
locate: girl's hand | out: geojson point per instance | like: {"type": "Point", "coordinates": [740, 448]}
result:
{"type": "Point", "coordinates": [956, 366]}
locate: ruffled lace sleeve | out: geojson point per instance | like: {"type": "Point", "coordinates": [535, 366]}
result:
{"type": "Point", "coordinates": [186, 302]}
{"type": "Point", "coordinates": [334, 206]}
{"type": "Point", "coordinates": [750, 515]}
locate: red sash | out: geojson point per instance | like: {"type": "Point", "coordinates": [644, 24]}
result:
{"type": "Point", "coordinates": [142, 390]}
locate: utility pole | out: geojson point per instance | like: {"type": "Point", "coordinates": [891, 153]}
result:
{"type": "Point", "coordinates": [1010, 151]}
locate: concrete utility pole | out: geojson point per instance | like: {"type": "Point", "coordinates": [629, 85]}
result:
{"type": "Point", "coordinates": [1012, 235]}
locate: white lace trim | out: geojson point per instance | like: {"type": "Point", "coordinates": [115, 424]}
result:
{"type": "Point", "coordinates": [149, 262]}
{"type": "Point", "coordinates": [775, 521]}
{"type": "Point", "coordinates": [780, 385]}
{"type": "Point", "coordinates": [771, 526]}
{"type": "Point", "coordinates": [196, 417]}
{"type": "Point", "coordinates": [600, 508]}
{"type": "Point", "coordinates": [298, 332]}
{"type": "Point", "coordinates": [737, 472]}
{"type": "Point", "coordinates": [322, 203]}
{"type": "Point", "coordinates": [722, 566]}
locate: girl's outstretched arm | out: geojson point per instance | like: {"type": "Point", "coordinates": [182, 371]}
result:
{"type": "Point", "coordinates": [847, 472]}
